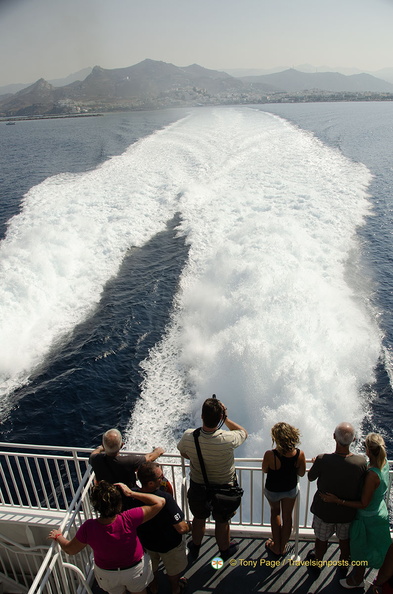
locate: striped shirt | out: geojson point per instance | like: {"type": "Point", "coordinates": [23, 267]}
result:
{"type": "Point", "coordinates": [217, 452]}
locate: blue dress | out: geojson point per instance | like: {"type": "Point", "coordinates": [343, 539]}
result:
{"type": "Point", "coordinates": [370, 532]}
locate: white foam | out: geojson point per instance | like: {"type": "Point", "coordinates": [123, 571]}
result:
{"type": "Point", "coordinates": [70, 239]}
{"type": "Point", "coordinates": [265, 316]}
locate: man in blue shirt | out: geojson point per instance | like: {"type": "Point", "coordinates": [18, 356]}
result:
{"type": "Point", "coordinates": [162, 536]}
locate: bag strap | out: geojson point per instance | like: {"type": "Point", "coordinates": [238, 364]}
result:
{"type": "Point", "coordinates": [196, 435]}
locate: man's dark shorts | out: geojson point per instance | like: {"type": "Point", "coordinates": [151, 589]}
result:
{"type": "Point", "coordinates": [200, 508]}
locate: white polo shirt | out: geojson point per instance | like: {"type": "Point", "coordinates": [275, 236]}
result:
{"type": "Point", "coordinates": [217, 452]}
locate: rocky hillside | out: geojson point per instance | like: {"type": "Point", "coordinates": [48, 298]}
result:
{"type": "Point", "coordinates": [147, 84]}
{"type": "Point", "coordinates": [153, 85]}
{"type": "Point", "coordinates": [292, 80]}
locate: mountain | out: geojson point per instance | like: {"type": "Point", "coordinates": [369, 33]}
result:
{"type": "Point", "coordinates": [152, 85]}
{"type": "Point", "coordinates": [385, 74]}
{"type": "Point", "coordinates": [36, 99]}
{"type": "Point", "coordinates": [13, 88]}
{"type": "Point", "coordinates": [57, 82]}
{"type": "Point", "coordinates": [292, 80]}
{"type": "Point", "coordinates": [149, 84]}
{"type": "Point", "coordinates": [147, 79]}
{"type": "Point", "coordinates": [242, 72]}
{"type": "Point", "coordinates": [324, 68]}
{"type": "Point", "coordinates": [80, 75]}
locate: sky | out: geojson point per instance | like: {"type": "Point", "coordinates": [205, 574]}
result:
{"type": "Point", "coordinates": [54, 38]}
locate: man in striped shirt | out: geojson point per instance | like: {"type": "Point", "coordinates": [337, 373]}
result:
{"type": "Point", "coordinates": [217, 448]}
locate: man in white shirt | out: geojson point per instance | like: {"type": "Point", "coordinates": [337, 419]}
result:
{"type": "Point", "coordinates": [217, 448]}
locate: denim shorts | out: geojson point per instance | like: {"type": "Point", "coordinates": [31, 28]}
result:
{"type": "Point", "coordinates": [273, 496]}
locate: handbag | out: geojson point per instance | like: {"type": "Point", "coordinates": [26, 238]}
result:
{"type": "Point", "coordinates": [224, 499]}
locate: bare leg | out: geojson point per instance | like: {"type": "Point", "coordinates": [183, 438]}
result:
{"type": "Point", "coordinates": [198, 531]}
{"type": "Point", "coordinates": [345, 550]}
{"type": "Point", "coordinates": [320, 548]}
{"type": "Point", "coordinates": [386, 570]}
{"type": "Point", "coordinates": [287, 505]}
{"type": "Point", "coordinates": [275, 522]}
{"type": "Point", "coordinates": [356, 576]}
{"type": "Point", "coordinates": [174, 582]}
{"type": "Point", "coordinates": [222, 535]}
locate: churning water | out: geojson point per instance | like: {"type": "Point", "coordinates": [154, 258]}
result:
{"type": "Point", "coordinates": [270, 304]}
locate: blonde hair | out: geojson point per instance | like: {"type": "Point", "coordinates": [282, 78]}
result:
{"type": "Point", "coordinates": [376, 446]}
{"type": "Point", "coordinates": [285, 436]}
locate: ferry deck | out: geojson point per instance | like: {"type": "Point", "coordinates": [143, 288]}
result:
{"type": "Point", "coordinates": [42, 487]}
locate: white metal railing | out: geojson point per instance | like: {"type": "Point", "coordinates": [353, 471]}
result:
{"type": "Point", "coordinates": [19, 564]}
{"type": "Point", "coordinates": [55, 478]}
{"type": "Point", "coordinates": [56, 575]}
{"type": "Point", "coordinates": [40, 477]}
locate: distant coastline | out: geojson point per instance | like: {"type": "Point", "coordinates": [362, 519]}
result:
{"type": "Point", "coordinates": [277, 98]}
{"type": "Point", "coordinates": [50, 117]}
{"type": "Point", "coordinates": [152, 85]}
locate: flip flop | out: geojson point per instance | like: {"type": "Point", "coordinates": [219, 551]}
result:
{"type": "Point", "coordinates": [268, 545]}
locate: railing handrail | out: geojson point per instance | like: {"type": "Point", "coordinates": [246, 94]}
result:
{"type": "Point", "coordinates": [70, 514]}
{"type": "Point", "coordinates": [76, 454]}
{"type": "Point", "coordinates": [10, 544]}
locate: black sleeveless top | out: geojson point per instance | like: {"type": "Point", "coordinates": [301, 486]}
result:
{"type": "Point", "coordinates": [284, 478]}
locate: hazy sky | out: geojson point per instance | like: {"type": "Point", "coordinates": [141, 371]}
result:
{"type": "Point", "coordinates": [54, 38]}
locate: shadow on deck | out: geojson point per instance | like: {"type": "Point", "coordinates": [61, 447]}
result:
{"type": "Point", "coordinates": [253, 569]}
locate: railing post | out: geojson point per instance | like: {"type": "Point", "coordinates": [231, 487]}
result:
{"type": "Point", "coordinates": [296, 517]}
{"type": "Point", "coordinates": [184, 502]}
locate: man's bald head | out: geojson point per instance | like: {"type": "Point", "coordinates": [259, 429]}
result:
{"type": "Point", "coordinates": [112, 441]}
{"type": "Point", "coordinates": [344, 434]}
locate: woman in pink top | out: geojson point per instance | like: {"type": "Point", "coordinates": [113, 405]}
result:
{"type": "Point", "coordinates": [119, 559]}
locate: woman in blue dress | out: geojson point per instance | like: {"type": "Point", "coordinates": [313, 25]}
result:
{"type": "Point", "coordinates": [370, 532]}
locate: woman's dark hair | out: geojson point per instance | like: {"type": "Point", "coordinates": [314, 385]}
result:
{"type": "Point", "coordinates": [106, 499]}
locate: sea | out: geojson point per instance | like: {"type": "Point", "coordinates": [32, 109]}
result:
{"type": "Point", "coordinates": [151, 259]}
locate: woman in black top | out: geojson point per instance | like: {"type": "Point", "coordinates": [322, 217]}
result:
{"type": "Point", "coordinates": [283, 465]}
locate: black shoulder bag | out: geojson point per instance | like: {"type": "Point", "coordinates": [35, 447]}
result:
{"type": "Point", "coordinates": [223, 499]}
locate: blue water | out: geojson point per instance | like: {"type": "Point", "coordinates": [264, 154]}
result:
{"type": "Point", "coordinates": [162, 256]}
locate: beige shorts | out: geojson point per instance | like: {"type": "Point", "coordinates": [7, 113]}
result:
{"type": "Point", "coordinates": [174, 561]}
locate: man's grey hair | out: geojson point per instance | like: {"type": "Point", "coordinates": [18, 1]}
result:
{"type": "Point", "coordinates": [112, 441]}
{"type": "Point", "coordinates": [344, 434]}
